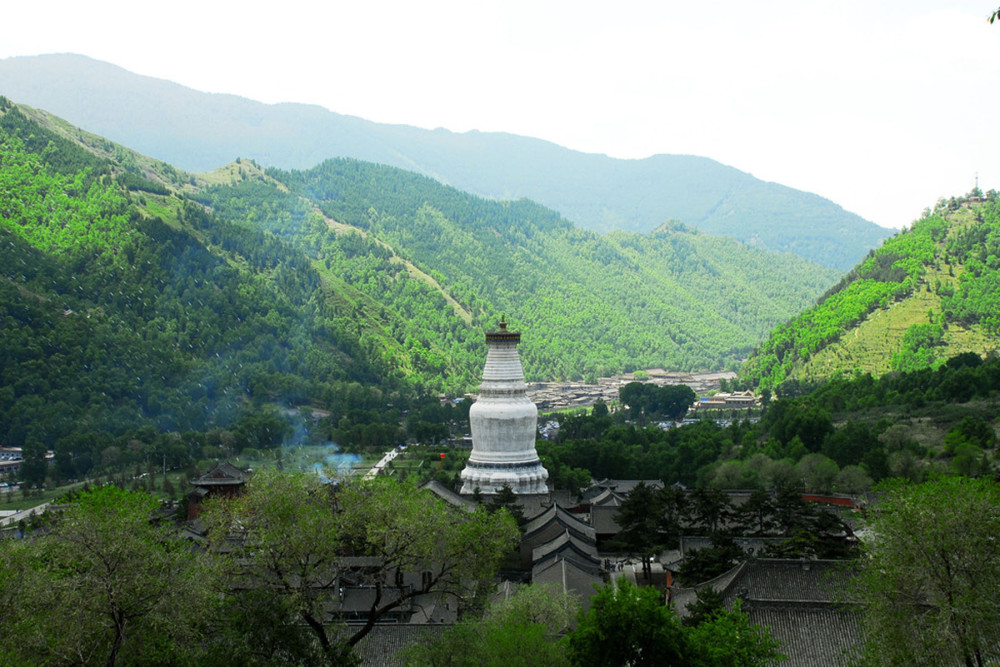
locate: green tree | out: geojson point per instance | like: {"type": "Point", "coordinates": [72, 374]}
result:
{"type": "Point", "coordinates": [700, 565]}
{"type": "Point", "coordinates": [710, 509]}
{"type": "Point", "coordinates": [34, 468]}
{"type": "Point", "coordinates": [104, 585]}
{"type": "Point", "coordinates": [971, 430]}
{"type": "Point", "coordinates": [523, 630]}
{"type": "Point", "coordinates": [297, 538]}
{"type": "Point", "coordinates": [756, 513]}
{"type": "Point", "coordinates": [673, 401]}
{"type": "Point", "coordinates": [628, 625]}
{"type": "Point", "coordinates": [646, 526]}
{"type": "Point", "coordinates": [289, 544]}
{"type": "Point", "coordinates": [507, 500]}
{"type": "Point", "coordinates": [261, 430]}
{"type": "Point", "coordinates": [818, 473]}
{"type": "Point", "coordinates": [729, 639]}
{"type": "Point", "coordinates": [708, 602]}
{"type": "Point", "coordinates": [853, 479]}
{"type": "Point", "coordinates": [599, 409]}
{"type": "Point", "coordinates": [931, 576]}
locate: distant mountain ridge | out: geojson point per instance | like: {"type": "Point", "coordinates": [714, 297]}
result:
{"type": "Point", "coordinates": [201, 131]}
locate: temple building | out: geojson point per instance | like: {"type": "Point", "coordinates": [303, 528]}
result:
{"type": "Point", "coordinates": [504, 422]}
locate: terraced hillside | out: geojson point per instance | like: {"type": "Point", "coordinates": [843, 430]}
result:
{"type": "Point", "coordinates": [929, 293]}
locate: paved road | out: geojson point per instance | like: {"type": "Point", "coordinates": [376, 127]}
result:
{"type": "Point", "coordinates": [23, 514]}
{"type": "Point", "coordinates": [377, 468]}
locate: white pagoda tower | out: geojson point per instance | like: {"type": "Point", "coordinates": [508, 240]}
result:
{"type": "Point", "coordinates": [504, 422]}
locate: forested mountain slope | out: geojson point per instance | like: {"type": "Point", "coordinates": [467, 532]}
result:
{"type": "Point", "coordinates": [123, 305]}
{"type": "Point", "coordinates": [589, 305]}
{"type": "Point", "coordinates": [416, 270]}
{"type": "Point", "coordinates": [930, 292]}
{"type": "Point", "coordinates": [144, 309]}
{"type": "Point", "coordinates": [200, 131]}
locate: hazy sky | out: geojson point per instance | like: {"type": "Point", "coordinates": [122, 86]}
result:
{"type": "Point", "coordinates": [882, 106]}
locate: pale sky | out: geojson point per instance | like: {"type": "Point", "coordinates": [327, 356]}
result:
{"type": "Point", "coordinates": [881, 106]}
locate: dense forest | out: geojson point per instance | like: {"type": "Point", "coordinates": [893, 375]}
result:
{"type": "Point", "coordinates": [929, 293]}
{"type": "Point", "coordinates": [844, 436]}
{"type": "Point", "coordinates": [151, 313]}
{"type": "Point", "coordinates": [590, 305]}
{"type": "Point", "coordinates": [118, 328]}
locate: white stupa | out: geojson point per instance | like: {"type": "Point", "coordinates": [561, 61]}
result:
{"type": "Point", "coordinates": [504, 422]}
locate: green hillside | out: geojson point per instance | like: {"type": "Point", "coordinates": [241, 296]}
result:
{"type": "Point", "coordinates": [200, 131]}
{"type": "Point", "coordinates": [113, 319]}
{"type": "Point", "coordinates": [150, 315]}
{"type": "Point", "coordinates": [590, 305]}
{"type": "Point", "coordinates": [930, 292]}
{"type": "Point", "coordinates": [145, 311]}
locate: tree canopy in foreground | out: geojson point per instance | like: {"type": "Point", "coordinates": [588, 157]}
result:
{"type": "Point", "coordinates": [628, 625]}
{"type": "Point", "coordinates": [107, 583]}
{"type": "Point", "coordinates": [299, 538]}
{"type": "Point", "coordinates": [931, 579]}
{"type": "Point", "coordinates": [104, 584]}
{"type": "Point", "coordinates": [524, 630]}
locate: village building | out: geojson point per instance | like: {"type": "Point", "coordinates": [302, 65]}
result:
{"type": "Point", "coordinates": [738, 400]}
{"type": "Point", "coordinates": [11, 459]}
{"type": "Point", "coordinates": [224, 480]}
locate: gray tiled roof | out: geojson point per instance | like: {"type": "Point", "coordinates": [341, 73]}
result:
{"type": "Point", "coordinates": [383, 645]}
{"type": "Point", "coordinates": [569, 577]}
{"type": "Point", "coordinates": [681, 597]}
{"type": "Point", "coordinates": [223, 474]}
{"type": "Point", "coordinates": [608, 497]}
{"type": "Point", "coordinates": [549, 525]}
{"type": "Point", "coordinates": [799, 601]}
{"type": "Point", "coordinates": [557, 515]}
{"type": "Point", "coordinates": [449, 496]}
{"type": "Point", "coordinates": [533, 503]}
{"type": "Point", "coordinates": [751, 545]}
{"type": "Point", "coordinates": [362, 599]}
{"type": "Point", "coordinates": [625, 486]}
{"type": "Point", "coordinates": [605, 519]}
{"type": "Point", "coordinates": [811, 635]}
{"type": "Point", "coordinates": [791, 580]}
{"type": "Point", "coordinates": [583, 554]}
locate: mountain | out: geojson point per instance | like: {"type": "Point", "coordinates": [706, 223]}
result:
{"type": "Point", "coordinates": [124, 305]}
{"type": "Point", "coordinates": [133, 293]}
{"type": "Point", "coordinates": [929, 293]}
{"type": "Point", "coordinates": [592, 304]}
{"type": "Point", "coordinates": [199, 132]}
